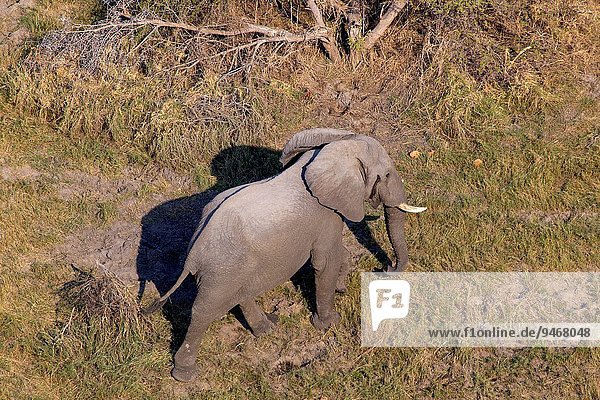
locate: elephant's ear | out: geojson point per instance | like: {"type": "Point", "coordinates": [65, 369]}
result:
{"type": "Point", "coordinates": [310, 139]}
{"type": "Point", "coordinates": [336, 177]}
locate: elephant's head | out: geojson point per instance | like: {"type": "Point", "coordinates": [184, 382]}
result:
{"type": "Point", "coordinates": [349, 169]}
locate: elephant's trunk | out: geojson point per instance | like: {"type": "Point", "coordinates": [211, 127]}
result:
{"type": "Point", "coordinates": [394, 222]}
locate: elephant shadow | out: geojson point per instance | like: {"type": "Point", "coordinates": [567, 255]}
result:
{"type": "Point", "coordinates": [168, 228]}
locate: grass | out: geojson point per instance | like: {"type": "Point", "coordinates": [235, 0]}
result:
{"type": "Point", "coordinates": [534, 178]}
{"type": "Point", "coordinates": [42, 338]}
{"type": "Point", "coordinates": [462, 92]}
{"type": "Point", "coordinates": [52, 351]}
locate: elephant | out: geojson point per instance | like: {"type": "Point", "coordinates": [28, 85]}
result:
{"type": "Point", "coordinates": [253, 237]}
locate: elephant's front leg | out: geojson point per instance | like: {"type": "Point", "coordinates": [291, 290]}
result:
{"type": "Point", "coordinates": [346, 265]}
{"type": "Point", "coordinates": [326, 259]}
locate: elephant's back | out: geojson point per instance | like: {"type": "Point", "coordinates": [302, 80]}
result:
{"type": "Point", "coordinates": [261, 233]}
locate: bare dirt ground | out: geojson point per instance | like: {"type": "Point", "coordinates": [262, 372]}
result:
{"type": "Point", "coordinates": [119, 244]}
{"type": "Point", "coordinates": [144, 244]}
{"type": "Point", "coordinates": [147, 236]}
{"type": "Point", "coordinates": [10, 12]}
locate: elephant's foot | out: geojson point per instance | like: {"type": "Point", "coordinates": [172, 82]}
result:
{"type": "Point", "coordinates": [323, 323]}
{"type": "Point", "coordinates": [265, 326]}
{"type": "Point", "coordinates": [185, 374]}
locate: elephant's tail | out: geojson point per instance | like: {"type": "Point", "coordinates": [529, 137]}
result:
{"type": "Point", "coordinates": [158, 303]}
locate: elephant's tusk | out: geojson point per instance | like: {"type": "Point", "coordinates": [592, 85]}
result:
{"type": "Point", "coordinates": [411, 209]}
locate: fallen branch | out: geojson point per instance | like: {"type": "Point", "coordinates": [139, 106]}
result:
{"type": "Point", "coordinates": [329, 41]}
{"type": "Point", "coordinates": [101, 42]}
{"type": "Point", "coordinates": [291, 38]}
{"type": "Point", "coordinates": [384, 23]}
{"type": "Point", "coordinates": [276, 34]}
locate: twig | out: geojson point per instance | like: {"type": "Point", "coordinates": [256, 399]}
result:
{"type": "Point", "coordinates": [143, 40]}
{"type": "Point", "coordinates": [291, 38]}
{"type": "Point", "coordinates": [384, 23]}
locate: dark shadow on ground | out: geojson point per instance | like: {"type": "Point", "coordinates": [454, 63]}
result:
{"type": "Point", "coordinates": [363, 234]}
{"type": "Point", "coordinates": [304, 281]}
{"type": "Point", "coordinates": [168, 228]}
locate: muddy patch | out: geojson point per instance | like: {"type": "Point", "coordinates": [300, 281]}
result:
{"type": "Point", "coordinates": [22, 173]}
{"type": "Point", "coordinates": [10, 13]}
{"type": "Point", "coordinates": [114, 248]}
{"type": "Point", "coordinates": [299, 357]}
{"type": "Point", "coordinates": [557, 217]}
{"type": "Point", "coordinates": [146, 234]}
{"type": "Point", "coordinates": [76, 184]}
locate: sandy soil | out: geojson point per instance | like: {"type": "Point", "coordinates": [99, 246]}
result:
{"type": "Point", "coordinates": [10, 12]}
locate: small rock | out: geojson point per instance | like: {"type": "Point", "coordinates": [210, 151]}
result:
{"type": "Point", "coordinates": [414, 154]}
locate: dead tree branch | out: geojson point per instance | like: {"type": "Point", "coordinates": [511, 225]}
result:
{"type": "Point", "coordinates": [384, 23]}
{"type": "Point", "coordinates": [316, 12]}
{"type": "Point", "coordinates": [288, 38]}
{"type": "Point", "coordinates": [105, 41]}
{"type": "Point", "coordinates": [125, 38]}
{"type": "Point", "coordinates": [273, 34]}
{"type": "Point", "coordinates": [329, 41]}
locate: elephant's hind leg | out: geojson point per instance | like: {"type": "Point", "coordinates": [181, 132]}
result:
{"type": "Point", "coordinates": [205, 310]}
{"type": "Point", "coordinates": [260, 323]}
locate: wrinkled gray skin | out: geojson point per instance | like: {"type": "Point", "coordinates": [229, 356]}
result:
{"type": "Point", "coordinates": [256, 236]}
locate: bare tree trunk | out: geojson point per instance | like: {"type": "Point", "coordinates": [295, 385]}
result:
{"type": "Point", "coordinates": [329, 43]}
{"type": "Point", "coordinates": [384, 23]}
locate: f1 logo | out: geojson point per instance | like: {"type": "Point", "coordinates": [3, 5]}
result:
{"type": "Point", "coordinates": [388, 299]}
